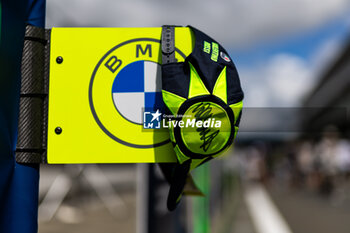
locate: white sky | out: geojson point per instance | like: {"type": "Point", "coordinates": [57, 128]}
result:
{"type": "Point", "coordinates": [235, 23]}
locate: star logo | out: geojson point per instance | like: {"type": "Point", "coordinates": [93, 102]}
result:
{"type": "Point", "coordinates": [156, 115]}
{"type": "Point", "coordinates": [151, 119]}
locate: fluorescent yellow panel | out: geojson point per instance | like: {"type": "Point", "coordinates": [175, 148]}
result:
{"type": "Point", "coordinates": [81, 101]}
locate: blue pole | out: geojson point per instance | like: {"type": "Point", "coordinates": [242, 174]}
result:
{"type": "Point", "coordinates": [19, 184]}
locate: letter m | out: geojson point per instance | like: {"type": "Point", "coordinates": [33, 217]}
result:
{"type": "Point", "coordinates": [143, 51]}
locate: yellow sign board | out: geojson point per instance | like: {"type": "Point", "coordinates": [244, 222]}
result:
{"type": "Point", "coordinates": [102, 81]}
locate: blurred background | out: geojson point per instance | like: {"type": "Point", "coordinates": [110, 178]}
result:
{"type": "Point", "coordinates": [289, 170]}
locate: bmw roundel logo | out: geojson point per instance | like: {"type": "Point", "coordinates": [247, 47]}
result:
{"type": "Point", "coordinates": [125, 82]}
{"type": "Point", "coordinates": [143, 93]}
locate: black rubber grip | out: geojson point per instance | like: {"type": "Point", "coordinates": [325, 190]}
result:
{"type": "Point", "coordinates": [33, 106]}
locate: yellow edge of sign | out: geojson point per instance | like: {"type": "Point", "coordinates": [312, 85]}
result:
{"type": "Point", "coordinates": [82, 80]}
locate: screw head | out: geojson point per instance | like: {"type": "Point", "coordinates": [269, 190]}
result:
{"type": "Point", "coordinates": [59, 59]}
{"type": "Point", "coordinates": [58, 130]}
